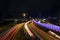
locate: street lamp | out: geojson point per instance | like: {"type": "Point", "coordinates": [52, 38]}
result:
{"type": "Point", "coordinates": [24, 14]}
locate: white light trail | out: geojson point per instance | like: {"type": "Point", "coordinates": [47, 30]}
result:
{"type": "Point", "coordinates": [54, 34]}
{"type": "Point", "coordinates": [28, 30]}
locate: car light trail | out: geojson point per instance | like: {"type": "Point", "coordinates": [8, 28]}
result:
{"type": "Point", "coordinates": [8, 33]}
{"type": "Point", "coordinates": [28, 30]}
{"type": "Point", "coordinates": [14, 33]}
{"type": "Point", "coordinates": [11, 33]}
{"type": "Point", "coordinates": [49, 26]}
{"type": "Point", "coordinates": [54, 34]}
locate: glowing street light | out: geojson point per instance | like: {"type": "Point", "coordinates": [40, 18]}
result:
{"type": "Point", "coordinates": [24, 14]}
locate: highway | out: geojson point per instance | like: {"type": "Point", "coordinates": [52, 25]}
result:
{"type": "Point", "coordinates": [27, 31]}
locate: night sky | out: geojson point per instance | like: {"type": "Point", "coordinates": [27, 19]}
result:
{"type": "Point", "coordinates": [34, 8]}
